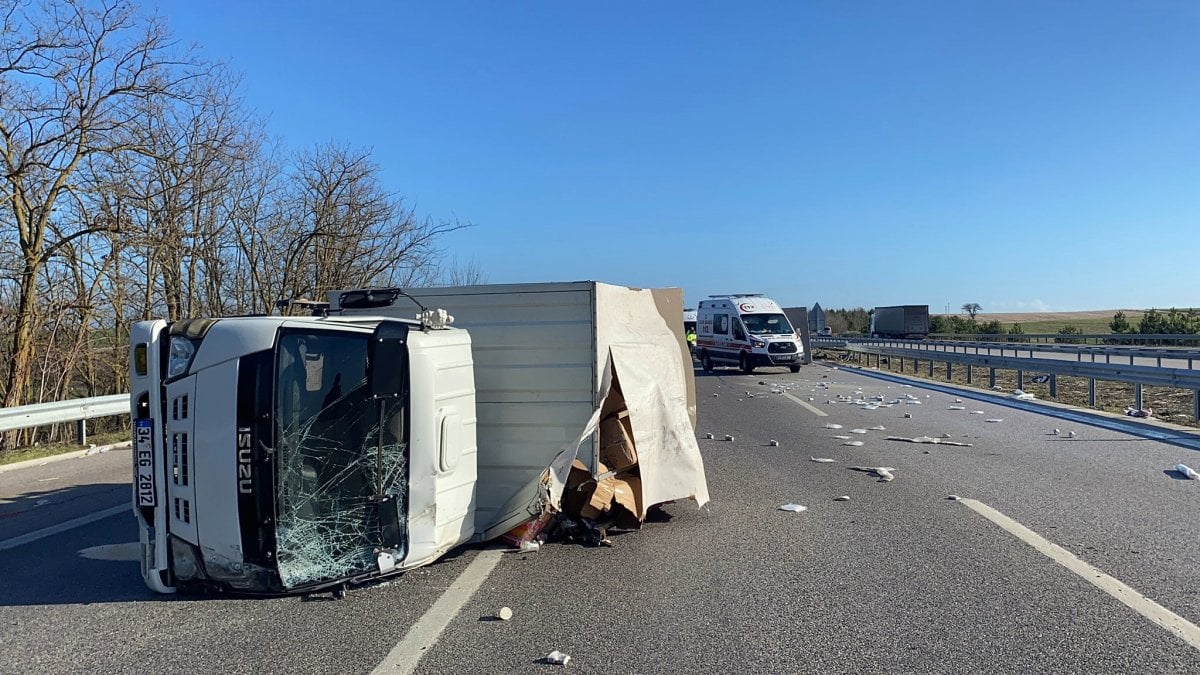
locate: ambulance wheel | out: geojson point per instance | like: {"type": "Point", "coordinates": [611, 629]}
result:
{"type": "Point", "coordinates": [794, 368]}
{"type": "Point", "coordinates": [706, 362]}
{"type": "Point", "coordinates": [744, 362]}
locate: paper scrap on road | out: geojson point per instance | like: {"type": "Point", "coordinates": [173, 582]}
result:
{"type": "Point", "coordinates": [953, 498]}
{"type": "Point", "coordinates": [976, 412]}
{"type": "Point", "coordinates": [1022, 395]}
{"type": "Point", "coordinates": [841, 437]}
{"type": "Point", "coordinates": [993, 419]}
{"type": "Point", "coordinates": [927, 439]}
{"type": "Point", "coordinates": [822, 460]}
{"type": "Point", "coordinates": [795, 508]}
{"type": "Point", "coordinates": [956, 407]}
{"type": "Point", "coordinates": [1187, 471]}
{"type": "Point", "coordinates": [833, 426]}
{"type": "Point", "coordinates": [557, 658]}
{"type": "Point", "coordinates": [884, 472]}
{"type": "Point", "coordinates": [853, 443]}
{"type": "Point", "coordinates": [858, 431]}
{"type": "Point", "coordinates": [878, 427]}
{"type": "Point", "coordinates": [1139, 412]}
{"type": "Point", "coordinates": [843, 498]}
{"type": "Point", "coordinates": [505, 614]}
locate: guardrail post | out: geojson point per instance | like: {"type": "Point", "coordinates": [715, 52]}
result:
{"type": "Point", "coordinates": [81, 431]}
{"type": "Point", "coordinates": [969, 378]}
{"type": "Point", "coordinates": [1053, 385]}
{"type": "Point", "coordinates": [992, 377]}
{"type": "Point", "coordinates": [1137, 395]}
{"type": "Point", "coordinates": [949, 371]}
{"type": "Point", "coordinates": [931, 367]}
{"type": "Point", "coordinates": [1092, 392]}
{"type": "Point", "coordinates": [1020, 380]}
{"type": "Point", "coordinates": [1196, 405]}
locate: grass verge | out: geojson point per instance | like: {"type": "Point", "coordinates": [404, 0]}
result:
{"type": "Point", "coordinates": [51, 449]}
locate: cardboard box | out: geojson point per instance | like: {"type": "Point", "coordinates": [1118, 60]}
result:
{"type": "Point", "coordinates": [617, 448]}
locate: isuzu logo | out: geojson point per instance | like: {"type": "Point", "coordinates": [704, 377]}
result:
{"type": "Point", "coordinates": [245, 470]}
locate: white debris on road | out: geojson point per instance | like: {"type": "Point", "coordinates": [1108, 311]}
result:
{"type": "Point", "coordinates": [853, 443]}
{"type": "Point", "coordinates": [833, 426]}
{"type": "Point", "coordinates": [884, 472]}
{"type": "Point", "coordinates": [795, 508]}
{"type": "Point", "coordinates": [1187, 471]}
{"type": "Point", "coordinates": [993, 419]}
{"type": "Point", "coordinates": [843, 498]}
{"type": "Point", "coordinates": [821, 460]}
{"type": "Point", "coordinates": [558, 658]}
{"type": "Point", "coordinates": [927, 439]}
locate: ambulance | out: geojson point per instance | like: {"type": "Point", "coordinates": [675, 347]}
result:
{"type": "Point", "coordinates": [747, 330]}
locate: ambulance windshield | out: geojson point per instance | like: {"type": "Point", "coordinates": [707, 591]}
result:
{"type": "Point", "coordinates": [767, 324]}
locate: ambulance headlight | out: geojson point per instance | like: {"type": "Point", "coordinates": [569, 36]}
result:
{"type": "Point", "coordinates": [758, 343]}
{"type": "Point", "coordinates": [180, 355]}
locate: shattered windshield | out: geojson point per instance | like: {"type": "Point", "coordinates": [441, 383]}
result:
{"type": "Point", "coordinates": [767, 324]}
{"type": "Point", "coordinates": [339, 451]}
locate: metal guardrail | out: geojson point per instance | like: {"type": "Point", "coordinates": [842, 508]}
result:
{"type": "Point", "coordinates": [1098, 338]}
{"type": "Point", "coordinates": [60, 412]}
{"type": "Point", "coordinates": [1139, 376]}
{"type": "Point", "coordinates": [1190, 355]}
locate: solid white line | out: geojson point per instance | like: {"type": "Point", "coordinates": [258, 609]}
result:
{"type": "Point", "coordinates": [811, 408]}
{"type": "Point", "coordinates": [1156, 613]}
{"type": "Point", "coordinates": [63, 527]}
{"type": "Point", "coordinates": [425, 632]}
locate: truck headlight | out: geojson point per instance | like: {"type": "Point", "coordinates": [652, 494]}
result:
{"type": "Point", "coordinates": [758, 343]}
{"type": "Point", "coordinates": [180, 355]}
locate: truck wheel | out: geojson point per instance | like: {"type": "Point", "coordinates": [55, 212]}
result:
{"type": "Point", "coordinates": [706, 362]}
{"type": "Point", "coordinates": [794, 368]}
{"type": "Point", "coordinates": [744, 362]}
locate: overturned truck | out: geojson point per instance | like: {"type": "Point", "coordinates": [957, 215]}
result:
{"type": "Point", "coordinates": [290, 454]}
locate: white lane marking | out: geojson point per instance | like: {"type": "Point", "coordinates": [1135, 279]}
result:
{"type": "Point", "coordinates": [1156, 613]}
{"type": "Point", "coordinates": [63, 527]}
{"type": "Point", "coordinates": [425, 632]}
{"type": "Point", "coordinates": [811, 408]}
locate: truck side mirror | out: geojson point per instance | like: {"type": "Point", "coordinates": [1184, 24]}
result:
{"type": "Point", "coordinates": [387, 374]}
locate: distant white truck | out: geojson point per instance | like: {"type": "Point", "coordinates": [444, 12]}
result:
{"type": "Point", "coordinates": [747, 330]}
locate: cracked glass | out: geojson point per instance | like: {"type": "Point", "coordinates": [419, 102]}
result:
{"type": "Point", "coordinates": [340, 455]}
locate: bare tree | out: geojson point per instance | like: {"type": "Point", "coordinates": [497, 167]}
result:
{"type": "Point", "coordinates": [972, 308]}
{"type": "Point", "coordinates": [74, 77]}
{"type": "Point", "coordinates": [337, 226]}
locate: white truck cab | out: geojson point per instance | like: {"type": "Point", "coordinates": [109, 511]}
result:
{"type": "Point", "coordinates": [747, 330]}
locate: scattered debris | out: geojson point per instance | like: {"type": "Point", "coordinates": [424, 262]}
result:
{"type": "Point", "coordinates": [1187, 471]}
{"type": "Point", "coordinates": [530, 546]}
{"type": "Point", "coordinates": [858, 431]}
{"type": "Point", "coordinates": [1070, 434]}
{"type": "Point", "coordinates": [1040, 379]}
{"type": "Point", "coordinates": [773, 443]}
{"type": "Point", "coordinates": [953, 498]}
{"type": "Point", "coordinates": [958, 400]}
{"type": "Point", "coordinates": [843, 498]}
{"type": "Point", "coordinates": [993, 420]}
{"type": "Point", "coordinates": [41, 502]}
{"type": "Point", "coordinates": [928, 439]}
{"type": "Point", "coordinates": [708, 436]}
{"type": "Point", "coordinates": [822, 460]}
{"type": "Point", "coordinates": [1056, 432]}
{"type": "Point", "coordinates": [833, 426]}
{"type": "Point", "coordinates": [853, 443]}
{"type": "Point", "coordinates": [1022, 395]}
{"type": "Point", "coordinates": [728, 437]}
{"type": "Point", "coordinates": [795, 508]}
{"type": "Point", "coordinates": [956, 407]}
{"type": "Point", "coordinates": [878, 427]}
{"type": "Point", "coordinates": [841, 437]}
{"type": "Point", "coordinates": [715, 395]}
{"type": "Point", "coordinates": [907, 416]}
{"type": "Point", "coordinates": [884, 472]}
{"type": "Point", "coordinates": [1139, 412]}
{"type": "Point", "coordinates": [505, 614]}
{"type": "Point", "coordinates": [976, 412]}
{"type": "Point", "coordinates": [557, 658]}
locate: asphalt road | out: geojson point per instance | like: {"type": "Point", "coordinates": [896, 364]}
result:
{"type": "Point", "coordinates": [898, 579]}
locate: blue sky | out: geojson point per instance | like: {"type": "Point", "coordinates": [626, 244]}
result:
{"type": "Point", "coordinates": [1022, 155]}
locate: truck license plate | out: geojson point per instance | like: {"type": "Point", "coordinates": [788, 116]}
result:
{"type": "Point", "coordinates": [143, 447]}
{"type": "Point", "coordinates": [788, 357]}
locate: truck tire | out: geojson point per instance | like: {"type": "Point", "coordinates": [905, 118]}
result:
{"type": "Point", "coordinates": [794, 368]}
{"type": "Point", "coordinates": [744, 362]}
{"type": "Point", "coordinates": [706, 362]}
